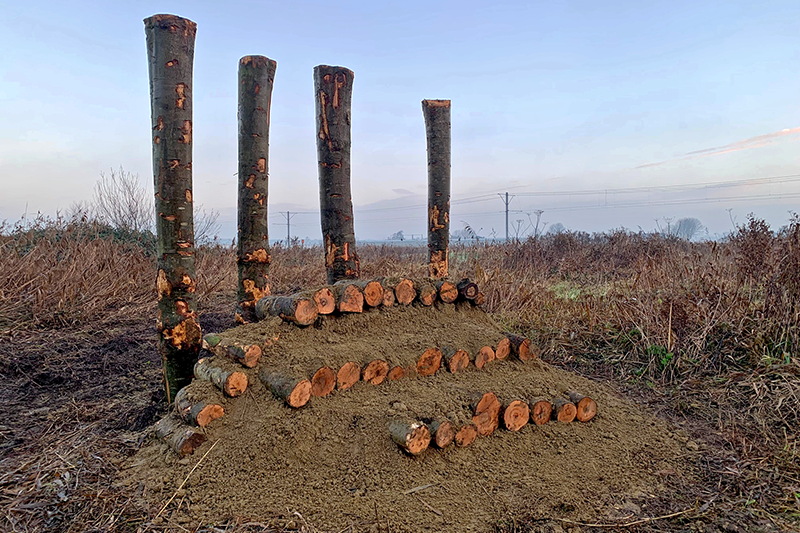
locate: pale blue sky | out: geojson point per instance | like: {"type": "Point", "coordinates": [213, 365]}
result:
{"type": "Point", "coordinates": [547, 96]}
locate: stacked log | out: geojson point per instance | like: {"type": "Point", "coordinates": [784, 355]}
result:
{"type": "Point", "coordinates": [292, 389]}
{"type": "Point", "coordinates": [426, 292]}
{"type": "Point", "coordinates": [323, 381]}
{"type": "Point", "coordinates": [467, 289]}
{"type": "Point", "coordinates": [541, 410]}
{"type": "Point", "coordinates": [429, 362]}
{"type": "Point", "coordinates": [466, 435]}
{"type": "Point", "coordinates": [373, 292]}
{"type": "Point", "coordinates": [448, 292]}
{"type": "Point", "coordinates": [375, 371]}
{"type": "Point", "coordinates": [586, 408]}
{"type": "Point", "coordinates": [299, 308]}
{"type": "Point", "coordinates": [197, 404]}
{"type": "Point", "coordinates": [403, 289]}
{"type": "Point", "coordinates": [397, 372]}
{"type": "Point", "coordinates": [349, 297]}
{"type": "Point", "coordinates": [232, 382]}
{"type": "Point", "coordinates": [183, 440]}
{"type": "Point", "coordinates": [348, 375]}
{"type": "Point", "coordinates": [443, 432]}
{"type": "Point", "coordinates": [486, 413]}
{"type": "Point", "coordinates": [503, 349]}
{"type": "Point", "coordinates": [485, 355]}
{"type": "Point", "coordinates": [455, 360]}
{"type": "Point", "coordinates": [564, 410]}
{"type": "Point", "coordinates": [246, 355]}
{"type": "Point", "coordinates": [515, 415]}
{"type": "Point", "coordinates": [521, 347]}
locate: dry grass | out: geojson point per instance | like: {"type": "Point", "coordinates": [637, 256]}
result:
{"type": "Point", "coordinates": [703, 332]}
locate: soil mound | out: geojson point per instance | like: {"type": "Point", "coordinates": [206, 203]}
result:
{"type": "Point", "coordinates": [334, 463]}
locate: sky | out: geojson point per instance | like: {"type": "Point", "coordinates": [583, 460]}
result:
{"type": "Point", "coordinates": [600, 114]}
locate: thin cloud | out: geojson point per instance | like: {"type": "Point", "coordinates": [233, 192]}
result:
{"type": "Point", "coordinates": [746, 144]}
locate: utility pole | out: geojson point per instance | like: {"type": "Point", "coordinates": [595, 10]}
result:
{"type": "Point", "coordinates": [506, 200]}
{"type": "Point", "coordinates": [288, 216]}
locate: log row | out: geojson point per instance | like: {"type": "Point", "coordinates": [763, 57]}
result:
{"type": "Point", "coordinates": [352, 296]}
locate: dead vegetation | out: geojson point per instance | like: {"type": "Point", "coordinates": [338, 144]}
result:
{"type": "Point", "coordinates": [705, 334]}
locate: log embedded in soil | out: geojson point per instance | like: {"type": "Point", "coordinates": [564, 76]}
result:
{"type": "Point", "coordinates": [348, 375]}
{"type": "Point", "coordinates": [426, 292]}
{"type": "Point", "coordinates": [412, 436]}
{"type": "Point", "coordinates": [466, 435]}
{"type": "Point", "coordinates": [333, 90]}
{"type": "Point", "coordinates": [541, 410]}
{"type": "Point", "coordinates": [349, 298]}
{"type": "Point", "coordinates": [521, 347]}
{"type": "Point", "coordinates": [256, 75]}
{"type": "Point", "coordinates": [298, 308]}
{"type": "Point", "coordinates": [437, 132]}
{"type": "Point", "coordinates": [564, 410]}
{"type": "Point", "coordinates": [485, 355]}
{"type": "Point", "coordinates": [170, 53]}
{"type": "Point", "coordinates": [194, 405]}
{"type": "Point", "coordinates": [429, 362]}
{"type": "Point", "coordinates": [375, 371]}
{"type": "Point", "coordinates": [323, 381]}
{"type": "Point", "coordinates": [455, 360]}
{"type": "Point", "coordinates": [373, 292]}
{"type": "Point", "coordinates": [515, 415]}
{"type": "Point", "coordinates": [467, 289]}
{"type": "Point", "coordinates": [442, 432]}
{"type": "Point", "coordinates": [294, 390]}
{"type": "Point", "coordinates": [403, 288]}
{"type": "Point", "coordinates": [246, 355]}
{"type": "Point", "coordinates": [397, 372]}
{"type": "Point", "coordinates": [586, 407]}
{"type": "Point", "coordinates": [448, 292]}
{"type": "Point", "coordinates": [183, 440]}
{"type": "Point", "coordinates": [503, 349]}
{"type": "Point", "coordinates": [231, 382]}
{"type": "Point", "coordinates": [486, 413]}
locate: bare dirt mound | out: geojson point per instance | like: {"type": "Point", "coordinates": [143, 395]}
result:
{"type": "Point", "coordinates": [334, 462]}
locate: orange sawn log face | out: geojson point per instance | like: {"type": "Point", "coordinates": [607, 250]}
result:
{"type": "Point", "coordinates": [429, 362]}
{"type": "Point", "coordinates": [486, 414]}
{"type": "Point", "coordinates": [348, 375]}
{"type": "Point", "coordinates": [516, 415]}
{"type": "Point", "coordinates": [375, 372]}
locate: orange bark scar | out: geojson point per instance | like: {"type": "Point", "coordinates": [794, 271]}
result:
{"type": "Point", "coordinates": [157, 139]}
{"type": "Point", "coordinates": [337, 84]}
{"type": "Point", "coordinates": [159, 124]}
{"type": "Point", "coordinates": [261, 165]}
{"type": "Point", "coordinates": [346, 255]}
{"type": "Point", "coordinates": [434, 219]}
{"type": "Point", "coordinates": [188, 196]}
{"type": "Point", "coordinates": [187, 332]}
{"type": "Point", "coordinates": [170, 218]}
{"type": "Point", "coordinates": [324, 132]}
{"type": "Point", "coordinates": [253, 292]}
{"type": "Point", "coordinates": [188, 283]}
{"type": "Point", "coordinates": [174, 163]}
{"type": "Point", "coordinates": [250, 180]}
{"type": "Point", "coordinates": [163, 286]}
{"type": "Point", "coordinates": [180, 90]}
{"type": "Point", "coordinates": [258, 256]}
{"type": "Point", "coordinates": [330, 252]}
{"type": "Point", "coordinates": [172, 63]}
{"type": "Point", "coordinates": [186, 132]}
{"type": "Point", "coordinates": [438, 266]}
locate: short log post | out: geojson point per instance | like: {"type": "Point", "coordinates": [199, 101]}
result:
{"type": "Point", "coordinates": [437, 132]}
{"type": "Point", "coordinates": [256, 75]}
{"type": "Point", "coordinates": [170, 53]}
{"type": "Point", "coordinates": [333, 90]}
{"type": "Point", "coordinates": [411, 435]}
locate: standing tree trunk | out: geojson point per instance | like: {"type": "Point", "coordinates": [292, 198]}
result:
{"type": "Point", "coordinates": [170, 53]}
{"type": "Point", "coordinates": [437, 129]}
{"type": "Point", "coordinates": [256, 74]}
{"type": "Point", "coordinates": [333, 89]}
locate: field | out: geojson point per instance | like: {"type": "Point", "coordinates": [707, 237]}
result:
{"type": "Point", "coordinates": [703, 335]}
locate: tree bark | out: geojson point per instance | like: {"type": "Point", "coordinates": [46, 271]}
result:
{"type": "Point", "coordinates": [541, 410]}
{"type": "Point", "coordinates": [564, 410]}
{"type": "Point", "coordinates": [373, 292]}
{"type": "Point", "coordinates": [467, 289]}
{"type": "Point", "coordinates": [486, 413]}
{"type": "Point", "coordinates": [170, 51]}
{"type": "Point", "coordinates": [429, 362]}
{"type": "Point", "coordinates": [348, 375]}
{"type": "Point", "coordinates": [466, 435]}
{"type": "Point", "coordinates": [232, 382]}
{"type": "Point", "coordinates": [197, 405]}
{"type": "Point", "coordinates": [437, 130]}
{"type": "Point", "coordinates": [411, 435]}
{"type": "Point", "coordinates": [442, 432]}
{"type": "Point", "coordinates": [375, 372]}
{"type": "Point", "coordinates": [448, 292]}
{"type": "Point", "coordinates": [515, 415]}
{"type": "Point", "coordinates": [256, 74]}
{"type": "Point", "coordinates": [403, 288]}
{"type": "Point", "coordinates": [484, 355]}
{"type": "Point", "coordinates": [297, 308]}
{"type": "Point", "coordinates": [333, 88]}
{"type": "Point", "coordinates": [183, 440]}
{"type": "Point", "coordinates": [586, 407]}
{"type": "Point", "coordinates": [455, 360]}
{"type": "Point", "coordinates": [294, 390]}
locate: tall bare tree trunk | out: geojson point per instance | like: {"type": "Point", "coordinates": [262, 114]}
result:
{"type": "Point", "coordinates": [256, 74]}
{"type": "Point", "coordinates": [437, 129]}
{"type": "Point", "coordinates": [333, 89]}
{"type": "Point", "coordinates": [170, 51]}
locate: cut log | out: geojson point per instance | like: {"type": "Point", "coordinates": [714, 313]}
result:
{"type": "Point", "coordinates": [348, 375]}
{"type": "Point", "coordinates": [294, 390]}
{"type": "Point", "coordinates": [412, 436]}
{"type": "Point", "coordinates": [375, 372]}
{"type": "Point", "coordinates": [541, 410]}
{"type": "Point", "coordinates": [231, 382]}
{"type": "Point", "coordinates": [373, 292]}
{"type": "Point", "coordinates": [521, 347]}
{"type": "Point", "coordinates": [466, 435]}
{"type": "Point", "coordinates": [298, 308]}
{"type": "Point", "coordinates": [485, 355]}
{"type": "Point", "coordinates": [349, 298]}
{"type": "Point", "coordinates": [246, 355]}
{"type": "Point", "coordinates": [564, 410]}
{"type": "Point", "coordinates": [442, 432]}
{"type": "Point", "coordinates": [183, 440]}
{"type": "Point", "coordinates": [455, 360]}
{"type": "Point", "coordinates": [323, 298]}
{"type": "Point", "coordinates": [448, 292]}
{"type": "Point", "coordinates": [486, 413]}
{"type": "Point", "coordinates": [426, 292]}
{"type": "Point", "coordinates": [388, 295]}
{"type": "Point", "coordinates": [323, 381]}
{"type": "Point", "coordinates": [586, 407]}
{"type": "Point", "coordinates": [467, 289]}
{"type": "Point", "coordinates": [429, 362]}
{"type": "Point", "coordinates": [397, 372]}
{"type": "Point", "coordinates": [403, 288]}
{"type": "Point", "coordinates": [480, 299]}
{"type": "Point", "coordinates": [515, 415]}
{"type": "Point", "coordinates": [503, 349]}
{"type": "Point", "coordinates": [197, 405]}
